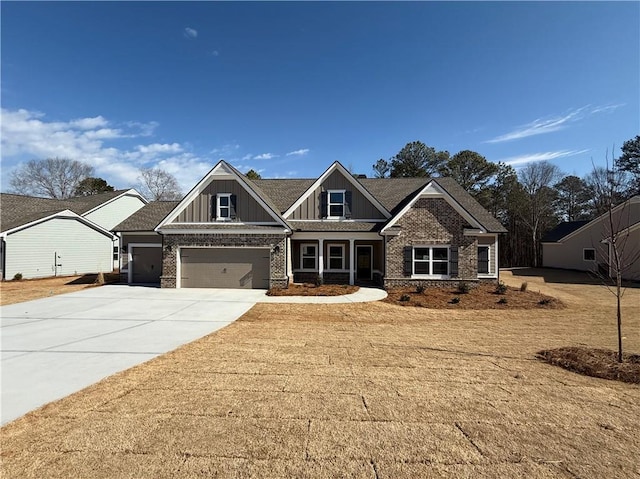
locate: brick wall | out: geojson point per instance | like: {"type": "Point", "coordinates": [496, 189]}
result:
{"type": "Point", "coordinates": [169, 259]}
{"type": "Point", "coordinates": [431, 221]}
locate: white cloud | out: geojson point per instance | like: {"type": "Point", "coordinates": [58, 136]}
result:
{"type": "Point", "coordinates": [215, 53]}
{"type": "Point", "coordinates": [265, 156]}
{"type": "Point", "coordinates": [89, 123]}
{"type": "Point", "coordinates": [190, 32]}
{"type": "Point", "coordinates": [545, 156]}
{"type": "Point", "coordinates": [300, 152]}
{"type": "Point", "coordinates": [160, 148]}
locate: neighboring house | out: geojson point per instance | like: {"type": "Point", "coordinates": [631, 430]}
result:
{"type": "Point", "coordinates": [583, 245]}
{"type": "Point", "coordinates": [232, 232]}
{"type": "Point", "coordinates": [42, 237]}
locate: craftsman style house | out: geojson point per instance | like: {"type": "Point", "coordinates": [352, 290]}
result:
{"type": "Point", "coordinates": [232, 232]}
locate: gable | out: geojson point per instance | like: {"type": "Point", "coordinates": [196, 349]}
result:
{"type": "Point", "coordinates": [113, 212]}
{"type": "Point", "coordinates": [196, 206]}
{"type": "Point", "coordinates": [364, 206]}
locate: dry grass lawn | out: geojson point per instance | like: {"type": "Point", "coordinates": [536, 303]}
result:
{"type": "Point", "coordinates": [26, 290]}
{"type": "Point", "coordinates": [358, 390]}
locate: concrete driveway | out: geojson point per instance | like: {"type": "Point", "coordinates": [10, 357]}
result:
{"type": "Point", "coordinates": [55, 346]}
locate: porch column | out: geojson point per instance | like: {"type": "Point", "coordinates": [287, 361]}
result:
{"type": "Point", "coordinates": [321, 258]}
{"type": "Point", "coordinates": [352, 256]}
{"type": "Point", "coordinates": [289, 271]}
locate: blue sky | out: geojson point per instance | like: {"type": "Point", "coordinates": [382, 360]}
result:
{"type": "Point", "coordinates": [287, 88]}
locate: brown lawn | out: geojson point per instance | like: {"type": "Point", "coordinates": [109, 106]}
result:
{"type": "Point", "coordinates": [358, 390]}
{"type": "Point", "coordinates": [28, 289]}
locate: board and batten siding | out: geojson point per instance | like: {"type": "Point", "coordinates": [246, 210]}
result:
{"type": "Point", "coordinates": [111, 214]}
{"type": "Point", "coordinates": [361, 207]}
{"type": "Point", "coordinates": [247, 208]}
{"type": "Point", "coordinates": [81, 249]}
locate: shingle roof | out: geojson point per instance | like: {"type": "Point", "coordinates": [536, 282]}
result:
{"type": "Point", "coordinates": [284, 192]}
{"type": "Point", "coordinates": [222, 227]}
{"type": "Point", "coordinates": [562, 230]}
{"type": "Point", "coordinates": [83, 204]}
{"type": "Point", "coordinates": [147, 217]}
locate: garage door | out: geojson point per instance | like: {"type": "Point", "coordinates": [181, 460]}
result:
{"type": "Point", "coordinates": [224, 268]}
{"type": "Point", "coordinates": [147, 264]}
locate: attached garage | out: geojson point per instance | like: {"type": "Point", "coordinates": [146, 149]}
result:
{"type": "Point", "coordinates": [245, 268]}
{"type": "Point", "coordinates": [145, 263]}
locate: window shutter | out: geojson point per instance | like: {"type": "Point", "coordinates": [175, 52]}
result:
{"type": "Point", "coordinates": [214, 206]}
{"type": "Point", "coordinates": [324, 200]}
{"type": "Point", "coordinates": [408, 260]}
{"type": "Point", "coordinates": [347, 204]}
{"type": "Point", "coordinates": [453, 261]}
{"type": "Point", "coordinates": [232, 207]}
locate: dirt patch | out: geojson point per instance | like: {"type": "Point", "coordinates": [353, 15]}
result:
{"type": "Point", "coordinates": [483, 296]}
{"type": "Point", "coordinates": [12, 292]}
{"type": "Point", "coordinates": [599, 363]}
{"type": "Point", "coordinates": [313, 290]}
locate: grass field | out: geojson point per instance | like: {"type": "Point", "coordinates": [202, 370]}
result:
{"type": "Point", "coordinates": [360, 390]}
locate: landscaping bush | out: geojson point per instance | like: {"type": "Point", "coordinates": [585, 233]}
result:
{"type": "Point", "coordinates": [544, 302]}
{"type": "Point", "coordinates": [17, 276]}
{"type": "Point", "coordinates": [455, 300]}
{"type": "Point", "coordinates": [420, 288]}
{"type": "Point", "coordinates": [502, 301]}
{"type": "Point", "coordinates": [319, 281]}
{"type": "Point", "coordinates": [524, 286]}
{"type": "Point", "coordinates": [464, 287]}
{"type": "Point", "coordinates": [501, 288]}
{"type": "Point", "coordinates": [404, 298]}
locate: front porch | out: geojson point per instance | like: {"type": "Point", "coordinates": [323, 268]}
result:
{"type": "Point", "coordinates": [338, 258]}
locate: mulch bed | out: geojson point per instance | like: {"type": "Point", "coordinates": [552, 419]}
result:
{"type": "Point", "coordinates": [599, 363]}
{"type": "Point", "coordinates": [313, 290]}
{"type": "Point", "coordinates": [483, 296]}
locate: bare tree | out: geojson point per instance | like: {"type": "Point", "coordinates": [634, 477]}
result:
{"type": "Point", "coordinates": [537, 180]}
{"type": "Point", "coordinates": [157, 184]}
{"type": "Point", "coordinates": [53, 177]}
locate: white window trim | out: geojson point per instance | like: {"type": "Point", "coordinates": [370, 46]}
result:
{"type": "Point", "coordinates": [342, 257]}
{"type": "Point", "coordinates": [302, 268]}
{"type": "Point", "coordinates": [430, 261]}
{"type": "Point", "coordinates": [219, 217]}
{"type": "Point", "coordinates": [584, 250]}
{"type": "Point", "coordinates": [488, 274]}
{"type": "Point", "coordinates": [343, 204]}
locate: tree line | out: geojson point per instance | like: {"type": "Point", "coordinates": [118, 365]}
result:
{"type": "Point", "coordinates": [529, 202]}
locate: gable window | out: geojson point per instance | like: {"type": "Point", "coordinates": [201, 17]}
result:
{"type": "Point", "coordinates": [309, 257]}
{"type": "Point", "coordinates": [589, 254]}
{"type": "Point", "coordinates": [431, 261]}
{"type": "Point", "coordinates": [336, 203]}
{"type": "Point", "coordinates": [225, 207]}
{"type": "Point", "coordinates": [336, 256]}
{"type": "Point", "coordinates": [483, 260]}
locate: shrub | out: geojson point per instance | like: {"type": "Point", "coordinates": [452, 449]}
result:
{"type": "Point", "coordinates": [17, 276]}
{"type": "Point", "coordinates": [501, 288]}
{"type": "Point", "coordinates": [455, 300]}
{"type": "Point", "coordinates": [319, 280]}
{"type": "Point", "coordinates": [524, 286]}
{"type": "Point", "coordinates": [463, 287]}
{"type": "Point", "coordinates": [544, 302]}
{"type": "Point", "coordinates": [502, 301]}
{"type": "Point", "coordinates": [420, 288]}
{"type": "Point", "coordinates": [405, 297]}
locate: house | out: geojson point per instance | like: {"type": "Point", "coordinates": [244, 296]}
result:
{"type": "Point", "coordinates": [42, 237]}
{"type": "Point", "coordinates": [232, 232]}
{"type": "Point", "coordinates": [583, 245]}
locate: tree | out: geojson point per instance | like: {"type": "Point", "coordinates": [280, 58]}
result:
{"type": "Point", "coordinates": [253, 175]}
{"type": "Point", "coordinates": [381, 168]}
{"type": "Point", "coordinates": [157, 184]}
{"type": "Point", "coordinates": [471, 170]}
{"type": "Point", "coordinates": [538, 212]}
{"type": "Point", "coordinates": [92, 186]}
{"type": "Point", "coordinates": [417, 160]}
{"type": "Point", "coordinates": [572, 202]}
{"type": "Point", "coordinates": [602, 183]}
{"type": "Point", "coordinates": [53, 177]}
{"type": "Point", "coordinates": [629, 162]}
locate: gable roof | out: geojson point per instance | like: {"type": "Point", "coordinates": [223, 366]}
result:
{"type": "Point", "coordinates": [147, 217]}
{"type": "Point", "coordinates": [562, 230]}
{"type": "Point", "coordinates": [85, 204]}
{"type": "Point", "coordinates": [336, 166]}
{"type": "Point", "coordinates": [222, 168]}
{"type": "Point", "coordinates": [32, 219]}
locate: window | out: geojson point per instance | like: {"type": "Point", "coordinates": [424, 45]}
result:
{"type": "Point", "coordinates": [223, 209]}
{"type": "Point", "coordinates": [431, 260]}
{"type": "Point", "coordinates": [308, 257]}
{"type": "Point", "coordinates": [335, 205]}
{"type": "Point", "coordinates": [336, 256]}
{"type": "Point", "coordinates": [483, 260]}
{"type": "Point", "coordinates": [589, 254]}
{"type": "Point", "coordinates": [116, 250]}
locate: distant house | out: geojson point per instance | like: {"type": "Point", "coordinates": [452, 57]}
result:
{"type": "Point", "coordinates": [42, 237]}
{"type": "Point", "coordinates": [232, 232]}
{"type": "Point", "coordinates": [583, 245]}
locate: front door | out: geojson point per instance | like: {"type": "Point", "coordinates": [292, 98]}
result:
{"type": "Point", "coordinates": [363, 262]}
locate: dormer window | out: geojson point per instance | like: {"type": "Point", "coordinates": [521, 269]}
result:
{"type": "Point", "coordinates": [225, 209]}
{"type": "Point", "coordinates": [336, 203]}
